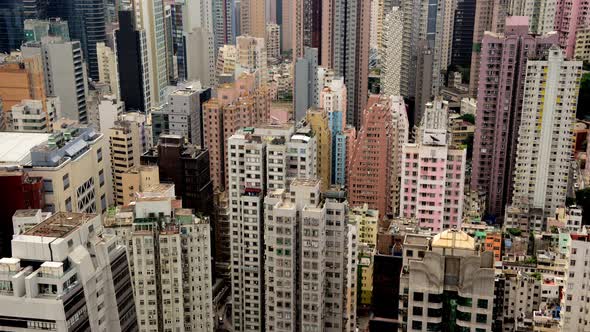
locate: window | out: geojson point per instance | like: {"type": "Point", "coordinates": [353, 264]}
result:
{"type": "Point", "coordinates": [417, 311]}
{"type": "Point", "coordinates": [481, 318]}
{"type": "Point", "coordinates": [48, 185]}
{"type": "Point", "coordinates": [101, 177]}
{"type": "Point", "coordinates": [66, 181]}
{"type": "Point", "coordinates": [482, 303]}
{"type": "Point", "coordinates": [69, 204]}
{"type": "Point", "coordinates": [103, 203]}
{"type": "Point", "coordinates": [416, 325]}
{"type": "Point", "coordinates": [99, 154]}
{"type": "Point", "coordinates": [418, 296]}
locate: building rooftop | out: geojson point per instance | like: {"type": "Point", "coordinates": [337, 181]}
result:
{"type": "Point", "coordinates": [26, 213]}
{"type": "Point", "coordinates": [15, 148]}
{"type": "Point", "coordinates": [60, 224]}
{"type": "Point", "coordinates": [454, 239]}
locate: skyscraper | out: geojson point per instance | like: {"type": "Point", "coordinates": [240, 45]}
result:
{"type": "Point", "coordinates": [11, 28]}
{"type": "Point", "coordinates": [318, 120]}
{"type": "Point", "coordinates": [185, 165]}
{"type": "Point", "coordinates": [427, 34]}
{"type": "Point", "coordinates": [306, 92]}
{"type": "Point", "coordinates": [170, 258]}
{"type": "Point", "coordinates": [84, 283]}
{"type": "Point", "coordinates": [65, 74]}
{"type": "Point", "coordinates": [570, 16]}
{"type": "Point", "coordinates": [132, 61]}
{"type": "Point", "coordinates": [437, 205]}
{"type": "Point", "coordinates": [237, 105]}
{"type": "Point", "coordinates": [374, 164]}
{"type": "Point", "coordinates": [149, 17]}
{"type": "Point", "coordinates": [223, 22]}
{"type": "Point", "coordinates": [544, 142]}
{"type": "Point", "coordinates": [462, 43]}
{"type": "Point", "coordinates": [490, 15]}
{"type": "Point", "coordinates": [253, 18]}
{"type": "Point", "coordinates": [499, 108]}
{"type": "Point", "coordinates": [87, 22]}
{"type": "Point", "coordinates": [260, 159]}
{"type": "Point", "coordinates": [431, 296]}
{"type": "Point", "coordinates": [351, 32]}
{"type": "Point", "coordinates": [391, 53]}
{"type": "Point", "coordinates": [125, 151]}
{"type": "Point", "coordinates": [309, 275]}
{"type": "Point", "coordinates": [182, 114]}
{"type": "Point", "coordinates": [108, 71]}
{"type": "Point", "coordinates": [333, 101]}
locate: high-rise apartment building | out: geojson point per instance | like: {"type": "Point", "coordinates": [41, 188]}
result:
{"type": "Point", "coordinates": [224, 23]}
{"type": "Point", "coordinates": [253, 18]}
{"type": "Point", "coordinates": [126, 149]}
{"type": "Point", "coordinates": [583, 45]}
{"type": "Point", "coordinates": [65, 74]}
{"type": "Point", "coordinates": [427, 35]}
{"type": "Point", "coordinates": [182, 114]}
{"type": "Point", "coordinates": [308, 274]}
{"type": "Point", "coordinates": [66, 274]}
{"type": "Point", "coordinates": [574, 301]}
{"type": "Point", "coordinates": [374, 167]}
{"type": "Point", "coordinates": [252, 57]}
{"type": "Point", "coordinates": [544, 142]}
{"type": "Point", "coordinates": [133, 63]}
{"type": "Point", "coordinates": [170, 258]}
{"type": "Point", "coordinates": [307, 25]}
{"type": "Point", "coordinates": [260, 159]}
{"type": "Point", "coordinates": [318, 120]}
{"type": "Point", "coordinates": [333, 101]}
{"type": "Point", "coordinates": [149, 17]}
{"type": "Point", "coordinates": [433, 174]}
{"type": "Point", "coordinates": [391, 53]}
{"type": "Point", "coordinates": [108, 71]}
{"type": "Point", "coordinates": [490, 15]}
{"type": "Point", "coordinates": [449, 286]}
{"type": "Point", "coordinates": [237, 105]}
{"type": "Point", "coordinates": [273, 41]}
{"type": "Point", "coordinates": [306, 92]}
{"type": "Point", "coordinates": [570, 16]}
{"type": "Point", "coordinates": [351, 34]}
{"type": "Point", "coordinates": [499, 108]}
{"type": "Point", "coordinates": [185, 165]}
{"type": "Point", "coordinates": [542, 14]}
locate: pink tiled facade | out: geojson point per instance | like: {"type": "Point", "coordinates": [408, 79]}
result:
{"type": "Point", "coordinates": [571, 15]}
{"type": "Point", "coordinates": [432, 185]}
{"type": "Point", "coordinates": [239, 104]}
{"type": "Point", "coordinates": [372, 165]}
{"type": "Point", "coordinates": [499, 106]}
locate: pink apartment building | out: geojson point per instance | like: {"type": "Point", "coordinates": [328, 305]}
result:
{"type": "Point", "coordinates": [570, 16]}
{"type": "Point", "coordinates": [373, 166]}
{"type": "Point", "coordinates": [237, 105]}
{"type": "Point", "coordinates": [499, 106]}
{"type": "Point", "coordinates": [433, 174]}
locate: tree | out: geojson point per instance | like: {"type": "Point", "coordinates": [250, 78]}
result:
{"type": "Point", "coordinates": [584, 98]}
{"type": "Point", "coordinates": [583, 201]}
{"type": "Point", "coordinates": [468, 117]}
